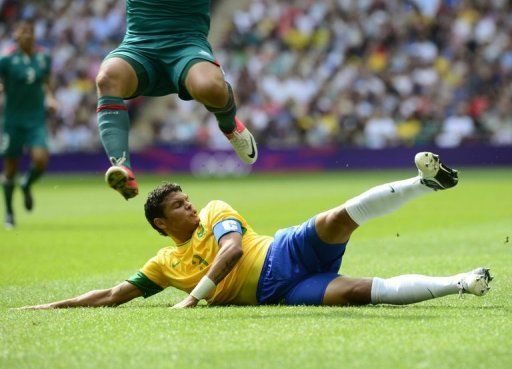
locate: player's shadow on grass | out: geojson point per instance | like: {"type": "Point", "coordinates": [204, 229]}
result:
{"type": "Point", "coordinates": [286, 308]}
{"type": "Point", "coordinates": [291, 312]}
{"type": "Point", "coordinates": [460, 307]}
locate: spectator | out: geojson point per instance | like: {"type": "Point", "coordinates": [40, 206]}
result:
{"type": "Point", "coordinates": [456, 128]}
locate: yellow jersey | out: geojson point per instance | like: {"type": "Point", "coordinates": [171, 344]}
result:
{"type": "Point", "coordinates": [182, 266]}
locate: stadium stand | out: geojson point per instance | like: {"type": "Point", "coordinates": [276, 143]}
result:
{"type": "Point", "coordinates": [368, 73]}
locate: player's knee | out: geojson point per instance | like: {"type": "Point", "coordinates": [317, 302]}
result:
{"type": "Point", "coordinates": [360, 292]}
{"type": "Point", "coordinates": [109, 82]}
{"type": "Point", "coordinates": [210, 90]}
{"type": "Point", "coordinates": [41, 164]}
{"type": "Point", "coordinates": [116, 77]}
{"type": "Point", "coordinates": [211, 87]}
{"type": "Point", "coordinates": [340, 218]}
{"type": "Point", "coordinates": [9, 174]}
{"type": "Point", "coordinates": [335, 226]}
{"type": "Point", "coordinates": [104, 82]}
{"type": "Point", "coordinates": [40, 159]}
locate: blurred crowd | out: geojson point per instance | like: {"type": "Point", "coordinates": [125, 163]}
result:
{"type": "Point", "coordinates": [374, 73]}
{"type": "Point", "coordinates": [365, 73]}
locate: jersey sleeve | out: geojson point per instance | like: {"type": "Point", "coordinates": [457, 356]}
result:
{"type": "Point", "coordinates": [150, 279]}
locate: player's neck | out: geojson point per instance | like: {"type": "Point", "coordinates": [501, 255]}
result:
{"type": "Point", "coordinates": [181, 238]}
{"type": "Point", "coordinates": [27, 49]}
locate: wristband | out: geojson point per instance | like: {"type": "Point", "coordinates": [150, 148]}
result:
{"type": "Point", "coordinates": [203, 288]}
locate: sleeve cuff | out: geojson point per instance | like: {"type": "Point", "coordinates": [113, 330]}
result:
{"type": "Point", "coordinates": [143, 283]}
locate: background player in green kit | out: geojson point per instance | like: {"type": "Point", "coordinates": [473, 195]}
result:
{"type": "Point", "coordinates": [25, 73]}
{"type": "Point", "coordinates": [165, 51]}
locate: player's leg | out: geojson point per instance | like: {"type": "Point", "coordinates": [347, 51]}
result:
{"type": "Point", "coordinates": [336, 225]}
{"type": "Point", "coordinates": [11, 148]}
{"type": "Point", "coordinates": [9, 176]}
{"type": "Point", "coordinates": [204, 81]}
{"type": "Point", "coordinates": [404, 289]}
{"type": "Point", "coordinates": [39, 160]}
{"type": "Point", "coordinates": [116, 80]}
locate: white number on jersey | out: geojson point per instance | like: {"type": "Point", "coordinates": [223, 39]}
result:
{"type": "Point", "coordinates": [31, 76]}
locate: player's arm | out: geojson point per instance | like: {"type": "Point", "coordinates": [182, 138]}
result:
{"type": "Point", "coordinates": [50, 101]}
{"type": "Point", "coordinates": [114, 296]}
{"type": "Point", "coordinates": [229, 254]}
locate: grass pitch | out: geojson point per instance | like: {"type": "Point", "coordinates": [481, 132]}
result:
{"type": "Point", "coordinates": [83, 236]}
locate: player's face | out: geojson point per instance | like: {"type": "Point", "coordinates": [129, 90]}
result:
{"type": "Point", "coordinates": [24, 35]}
{"type": "Point", "coordinates": [179, 214]}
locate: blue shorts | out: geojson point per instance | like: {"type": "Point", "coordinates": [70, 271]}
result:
{"type": "Point", "coordinates": [298, 267]}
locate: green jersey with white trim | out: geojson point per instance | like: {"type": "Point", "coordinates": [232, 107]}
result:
{"type": "Point", "coordinates": [167, 17]}
{"type": "Point", "coordinates": [23, 77]}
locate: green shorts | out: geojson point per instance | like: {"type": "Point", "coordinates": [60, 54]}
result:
{"type": "Point", "coordinates": [162, 62]}
{"type": "Point", "coordinates": [17, 137]}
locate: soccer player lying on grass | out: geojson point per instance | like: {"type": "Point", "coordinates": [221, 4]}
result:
{"type": "Point", "coordinates": [218, 256]}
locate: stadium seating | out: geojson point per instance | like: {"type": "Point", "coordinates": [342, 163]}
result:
{"type": "Point", "coordinates": [354, 73]}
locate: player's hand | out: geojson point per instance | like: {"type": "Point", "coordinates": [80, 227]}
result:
{"type": "Point", "coordinates": [188, 302]}
{"type": "Point", "coordinates": [52, 105]}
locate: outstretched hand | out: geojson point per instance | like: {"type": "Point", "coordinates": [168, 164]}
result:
{"type": "Point", "coordinates": [188, 302]}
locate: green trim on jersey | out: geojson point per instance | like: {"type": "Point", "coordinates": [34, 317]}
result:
{"type": "Point", "coordinates": [146, 285]}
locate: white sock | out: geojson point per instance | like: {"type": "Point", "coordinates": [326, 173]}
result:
{"type": "Point", "coordinates": [384, 199]}
{"type": "Point", "coordinates": [411, 288]}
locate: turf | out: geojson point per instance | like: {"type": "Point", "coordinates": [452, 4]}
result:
{"type": "Point", "coordinates": [83, 236]}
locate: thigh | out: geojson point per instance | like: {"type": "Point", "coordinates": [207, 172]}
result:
{"type": "Point", "coordinates": [310, 290]}
{"type": "Point", "coordinates": [184, 57]}
{"type": "Point", "coordinates": [335, 225]}
{"type": "Point", "coordinates": [204, 82]}
{"type": "Point", "coordinates": [39, 156]}
{"type": "Point", "coordinates": [151, 79]}
{"type": "Point", "coordinates": [295, 254]}
{"type": "Point", "coordinates": [36, 137]}
{"type": "Point", "coordinates": [13, 139]}
{"type": "Point", "coordinates": [10, 167]}
{"type": "Point", "coordinates": [316, 255]}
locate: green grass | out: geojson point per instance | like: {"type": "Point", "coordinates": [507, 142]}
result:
{"type": "Point", "coordinates": [82, 236]}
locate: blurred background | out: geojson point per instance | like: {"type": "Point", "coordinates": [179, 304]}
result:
{"type": "Point", "coordinates": [323, 85]}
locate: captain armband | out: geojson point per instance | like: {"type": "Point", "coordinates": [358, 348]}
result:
{"type": "Point", "coordinates": [226, 226]}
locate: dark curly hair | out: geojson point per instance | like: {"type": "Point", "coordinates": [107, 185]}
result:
{"type": "Point", "coordinates": [153, 207]}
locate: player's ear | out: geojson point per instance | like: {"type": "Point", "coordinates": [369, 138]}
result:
{"type": "Point", "coordinates": [159, 222]}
